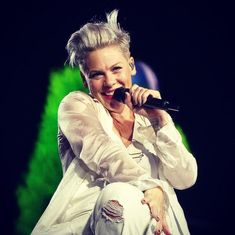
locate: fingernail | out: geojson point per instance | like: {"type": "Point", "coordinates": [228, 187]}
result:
{"type": "Point", "coordinates": [158, 232]}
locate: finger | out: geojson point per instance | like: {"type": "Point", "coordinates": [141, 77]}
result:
{"type": "Point", "coordinates": [155, 94]}
{"type": "Point", "coordinates": [158, 217]}
{"type": "Point", "coordinates": [166, 230]}
{"type": "Point", "coordinates": [155, 212]}
{"type": "Point", "coordinates": [145, 200]}
{"type": "Point", "coordinates": [140, 94]}
{"type": "Point", "coordinates": [158, 227]}
{"type": "Point", "coordinates": [165, 227]}
{"type": "Point", "coordinates": [134, 94]}
{"type": "Point", "coordinates": [137, 94]}
{"type": "Point", "coordinates": [141, 97]}
{"type": "Point", "coordinates": [145, 96]}
{"type": "Point", "coordinates": [128, 100]}
{"type": "Point", "coordinates": [134, 86]}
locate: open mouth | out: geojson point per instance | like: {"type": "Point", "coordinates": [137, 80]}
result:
{"type": "Point", "coordinates": [108, 94]}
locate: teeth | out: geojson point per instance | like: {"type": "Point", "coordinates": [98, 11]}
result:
{"type": "Point", "coordinates": [110, 93]}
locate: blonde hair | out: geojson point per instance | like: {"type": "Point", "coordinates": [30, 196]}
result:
{"type": "Point", "coordinates": [97, 35]}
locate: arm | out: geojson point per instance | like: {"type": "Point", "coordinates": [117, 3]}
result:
{"type": "Point", "coordinates": [178, 165]}
{"type": "Point", "coordinates": [79, 122]}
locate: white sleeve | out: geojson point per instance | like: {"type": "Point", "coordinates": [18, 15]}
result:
{"type": "Point", "coordinates": [178, 165]}
{"type": "Point", "coordinates": [79, 122]}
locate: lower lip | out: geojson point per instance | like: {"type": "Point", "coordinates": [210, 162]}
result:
{"type": "Point", "coordinates": [108, 97]}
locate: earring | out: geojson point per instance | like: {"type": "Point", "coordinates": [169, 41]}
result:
{"type": "Point", "coordinates": [132, 66]}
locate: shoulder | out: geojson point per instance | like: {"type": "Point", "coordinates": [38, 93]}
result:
{"type": "Point", "coordinates": [76, 96]}
{"type": "Point", "coordinates": [78, 102]}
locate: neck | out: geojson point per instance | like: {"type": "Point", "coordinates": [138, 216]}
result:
{"type": "Point", "coordinates": [126, 115]}
{"type": "Point", "coordinates": [123, 125]}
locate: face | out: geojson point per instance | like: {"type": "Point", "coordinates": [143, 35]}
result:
{"type": "Point", "coordinates": [108, 69]}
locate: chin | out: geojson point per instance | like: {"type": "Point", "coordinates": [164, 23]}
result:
{"type": "Point", "coordinates": [114, 106]}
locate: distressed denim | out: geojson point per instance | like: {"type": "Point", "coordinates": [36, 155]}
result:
{"type": "Point", "coordinates": [119, 210]}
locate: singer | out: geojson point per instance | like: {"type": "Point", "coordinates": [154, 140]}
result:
{"type": "Point", "coordinates": [121, 160]}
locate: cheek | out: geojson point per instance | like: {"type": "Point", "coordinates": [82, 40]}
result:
{"type": "Point", "coordinates": [127, 80]}
{"type": "Point", "coordinates": [95, 86]}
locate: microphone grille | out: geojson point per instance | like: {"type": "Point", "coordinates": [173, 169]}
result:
{"type": "Point", "coordinates": [119, 94]}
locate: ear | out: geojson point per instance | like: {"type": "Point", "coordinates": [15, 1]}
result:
{"type": "Point", "coordinates": [84, 79]}
{"type": "Point", "coordinates": [132, 66]}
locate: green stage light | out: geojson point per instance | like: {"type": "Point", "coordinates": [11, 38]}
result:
{"type": "Point", "coordinates": [44, 170]}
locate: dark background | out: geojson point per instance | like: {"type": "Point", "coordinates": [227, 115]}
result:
{"type": "Point", "coordinates": [189, 44]}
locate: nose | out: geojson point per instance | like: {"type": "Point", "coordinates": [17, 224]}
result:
{"type": "Point", "coordinates": [110, 80]}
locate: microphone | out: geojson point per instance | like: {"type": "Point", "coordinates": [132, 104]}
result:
{"type": "Point", "coordinates": [152, 103]}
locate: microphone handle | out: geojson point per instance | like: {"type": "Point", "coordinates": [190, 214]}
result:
{"type": "Point", "coordinates": [151, 102]}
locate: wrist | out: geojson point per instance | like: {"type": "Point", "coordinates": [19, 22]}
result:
{"type": "Point", "coordinates": [159, 120]}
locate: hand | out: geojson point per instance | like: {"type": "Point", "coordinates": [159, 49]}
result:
{"type": "Point", "coordinates": [137, 96]}
{"type": "Point", "coordinates": [155, 199]}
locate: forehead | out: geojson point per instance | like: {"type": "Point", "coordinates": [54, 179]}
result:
{"type": "Point", "coordinates": [106, 56]}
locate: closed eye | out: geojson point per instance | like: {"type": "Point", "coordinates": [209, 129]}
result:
{"type": "Point", "coordinates": [96, 75]}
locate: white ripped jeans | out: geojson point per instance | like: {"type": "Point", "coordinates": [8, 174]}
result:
{"type": "Point", "coordinates": [119, 210]}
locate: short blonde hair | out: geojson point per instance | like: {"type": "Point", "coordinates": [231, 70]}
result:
{"type": "Point", "coordinates": [92, 36]}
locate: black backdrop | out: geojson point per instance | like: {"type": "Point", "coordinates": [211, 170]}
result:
{"type": "Point", "coordinates": [189, 44]}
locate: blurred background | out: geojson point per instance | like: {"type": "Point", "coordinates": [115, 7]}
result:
{"type": "Point", "coordinates": [190, 47]}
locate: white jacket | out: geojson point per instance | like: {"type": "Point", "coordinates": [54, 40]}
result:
{"type": "Point", "coordinates": [93, 155]}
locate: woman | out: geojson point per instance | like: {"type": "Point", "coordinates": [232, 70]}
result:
{"type": "Point", "coordinates": [121, 161]}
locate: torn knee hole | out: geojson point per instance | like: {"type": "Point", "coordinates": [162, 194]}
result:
{"type": "Point", "coordinates": [112, 211]}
